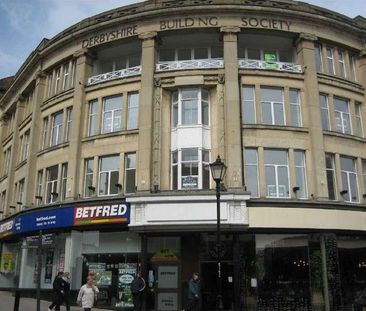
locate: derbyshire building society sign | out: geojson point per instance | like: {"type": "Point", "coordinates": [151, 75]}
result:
{"type": "Point", "coordinates": [186, 23]}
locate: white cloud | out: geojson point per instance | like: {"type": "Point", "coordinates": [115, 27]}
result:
{"type": "Point", "coordinates": [9, 64]}
{"type": "Point", "coordinates": [19, 13]}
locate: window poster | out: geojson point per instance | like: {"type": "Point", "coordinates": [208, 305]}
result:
{"type": "Point", "coordinates": [102, 277]}
{"type": "Point", "coordinates": [126, 274]}
{"type": "Point", "coordinates": [270, 59]}
{"type": "Point", "coordinates": [48, 267]}
{"type": "Point", "coordinates": [7, 265]}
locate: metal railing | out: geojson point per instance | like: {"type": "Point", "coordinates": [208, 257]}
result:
{"type": "Point", "coordinates": [190, 64]}
{"type": "Point", "coordinates": [261, 64]}
{"type": "Point", "coordinates": [118, 74]}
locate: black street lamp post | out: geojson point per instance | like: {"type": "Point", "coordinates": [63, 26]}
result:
{"type": "Point", "coordinates": [218, 170]}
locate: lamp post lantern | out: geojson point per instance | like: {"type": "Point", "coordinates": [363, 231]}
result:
{"type": "Point", "coordinates": [218, 171]}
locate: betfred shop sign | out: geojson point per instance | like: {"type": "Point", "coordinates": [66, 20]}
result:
{"type": "Point", "coordinates": [101, 214]}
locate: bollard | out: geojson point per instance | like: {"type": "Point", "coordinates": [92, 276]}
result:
{"type": "Point", "coordinates": [16, 300]}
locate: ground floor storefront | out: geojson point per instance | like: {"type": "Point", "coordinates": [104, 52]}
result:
{"type": "Point", "coordinates": [260, 271]}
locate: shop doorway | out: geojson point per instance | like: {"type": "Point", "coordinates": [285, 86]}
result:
{"type": "Point", "coordinates": [209, 285]}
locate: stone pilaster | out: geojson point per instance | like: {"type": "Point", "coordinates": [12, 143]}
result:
{"type": "Point", "coordinates": [34, 141]}
{"type": "Point", "coordinates": [233, 146]}
{"type": "Point", "coordinates": [316, 176]}
{"type": "Point", "coordinates": [146, 103]}
{"type": "Point", "coordinates": [83, 71]}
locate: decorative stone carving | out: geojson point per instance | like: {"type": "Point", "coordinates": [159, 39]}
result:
{"type": "Point", "coordinates": [148, 35]}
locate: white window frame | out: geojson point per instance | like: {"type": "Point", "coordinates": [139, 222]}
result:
{"type": "Point", "coordinates": [87, 174]}
{"type": "Point", "coordinates": [330, 58]}
{"type": "Point", "coordinates": [130, 108]}
{"type": "Point", "coordinates": [68, 123]}
{"type": "Point", "coordinates": [273, 103]}
{"type": "Point", "coordinates": [57, 79]}
{"type": "Point", "coordinates": [3, 201]}
{"type": "Point", "coordinates": [129, 169]}
{"type": "Point", "coordinates": [341, 64]}
{"type": "Point", "coordinates": [92, 117]}
{"type": "Point", "coordinates": [303, 169]}
{"type": "Point", "coordinates": [199, 108]}
{"type": "Point", "coordinates": [318, 51]}
{"type": "Point", "coordinates": [51, 183]}
{"type": "Point", "coordinates": [325, 109]}
{"type": "Point", "coordinates": [352, 64]}
{"type": "Point", "coordinates": [21, 191]}
{"type": "Point", "coordinates": [44, 133]}
{"type": "Point", "coordinates": [73, 73]}
{"type": "Point", "coordinates": [348, 173]}
{"type": "Point", "coordinates": [56, 129]}
{"type": "Point", "coordinates": [358, 117]}
{"type": "Point", "coordinates": [25, 146]}
{"type": "Point", "coordinates": [277, 186]}
{"type": "Point", "coordinates": [66, 72]}
{"type": "Point", "coordinates": [49, 81]}
{"type": "Point", "coordinates": [342, 118]}
{"type": "Point", "coordinates": [334, 176]}
{"type": "Point", "coordinates": [296, 106]}
{"type": "Point", "coordinates": [109, 174]}
{"type": "Point", "coordinates": [113, 112]}
{"type": "Point", "coordinates": [246, 102]}
{"type": "Point", "coordinates": [246, 164]}
{"type": "Point", "coordinates": [39, 183]}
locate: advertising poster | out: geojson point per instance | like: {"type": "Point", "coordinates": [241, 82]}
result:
{"type": "Point", "coordinates": [7, 262]}
{"type": "Point", "coordinates": [48, 268]}
{"type": "Point", "coordinates": [102, 277]}
{"type": "Point", "coordinates": [270, 60]}
{"type": "Point", "coordinates": [126, 274]}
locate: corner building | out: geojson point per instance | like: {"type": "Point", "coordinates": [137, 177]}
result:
{"type": "Point", "coordinates": [108, 128]}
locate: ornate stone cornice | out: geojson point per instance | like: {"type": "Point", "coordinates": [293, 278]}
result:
{"type": "Point", "coordinates": [148, 35]}
{"type": "Point", "coordinates": [230, 29]}
{"type": "Point", "coordinates": [306, 37]}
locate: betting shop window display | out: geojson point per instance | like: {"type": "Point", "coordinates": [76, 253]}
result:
{"type": "Point", "coordinates": [113, 257]}
{"type": "Point", "coordinates": [283, 272]}
{"type": "Point", "coordinates": [9, 264]}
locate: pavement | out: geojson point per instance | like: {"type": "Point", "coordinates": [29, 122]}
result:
{"type": "Point", "coordinates": [29, 304]}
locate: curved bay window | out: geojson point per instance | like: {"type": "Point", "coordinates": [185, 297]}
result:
{"type": "Point", "coordinates": [190, 107]}
{"type": "Point", "coordinates": [190, 169]}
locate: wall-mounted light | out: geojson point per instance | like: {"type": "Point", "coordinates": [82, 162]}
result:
{"type": "Point", "coordinates": [91, 188]}
{"type": "Point", "coordinates": [39, 197]}
{"type": "Point", "coordinates": [155, 189]}
{"type": "Point", "coordinates": [54, 194]}
{"type": "Point", "coordinates": [119, 186]}
{"type": "Point", "coordinates": [12, 206]}
{"type": "Point", "coordinates": [343, 192]}
{"type": "Point", "coordinates": [295, 189]}
{"type": "Point", "coordinates": [20, 203]}
{"type": "Point", "coordinates": [364, 195]}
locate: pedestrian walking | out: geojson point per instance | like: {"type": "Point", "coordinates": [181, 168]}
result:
{"type": "Point", "coordinates": [66, 289]}
{"type": "Point", "coordinates": [137, 287]}
{"type": "Point", "coordinates": [87, 294]}
{"type": "Point", "coordinates": [58, 291]}
{"type": "Point", "coordinates": [194, 293]}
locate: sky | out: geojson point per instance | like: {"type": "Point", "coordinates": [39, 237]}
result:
{"type": "Point", "coordinates": [24, 23]}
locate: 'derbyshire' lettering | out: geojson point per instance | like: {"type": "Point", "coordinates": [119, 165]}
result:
{"type": "Point", "coordinates": [110, 36]}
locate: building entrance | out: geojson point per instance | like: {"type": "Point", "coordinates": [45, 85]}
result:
{"type": "Point", "coordinates": [209, 285]}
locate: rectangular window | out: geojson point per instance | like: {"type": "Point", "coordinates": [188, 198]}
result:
{"type": "Point", "coordinates": [364, 175]}
{"type": "Point", "coordinates": [276, 173]}
{"type": "Point", "coordinates": [112, 114]}
{"type": "Point", "coordinates": [25, 146]}
{"type": "Point", "coordinates": [341, 64]}
{"type": "Point", "coordinates": [349, 179]}
{"type": "Point", "coordinates": [3, 201]}
{"type": "Point", "coordinates": [189, 100]}
{"type": "Point", "coordinates": [175, 109]}
{"type": "Point", "coordinates": [248, 109]}
{"type": "Point", "coordinates": [295, 107]}
{"type": "Point", "coordinates": [49, 82]}
{"type": "Point", "coordinates": [330, 172]}
{"type": "Point", "coordinates": [108, 175]}
{"type": "Point", "coordinates": [73, 73]}
{"type": "Point", "coordinates": [251, 171]}
{"type": "Point", "coordinates": [272, 106]}
{"type": "Point", "coordinates": [39, 191]}
{"type": "Point", "coordinates": [92, 119]}
{"type": "Point", "coordinates": [20, 197]}
{"type": "Point", "coordinates": [324, 111]}
{"type": "Point", "coordinates": [318, 58]}
{"type": "Point", "coordinates": [130, 172]}
{"type": "Point", "coordinates": [358, 116]}
{"type": "Point", "coordinates": [51, 184]}
{"type": "Point", "coordinates": [330, 61]}
{"type": "Point", "coordinates": [342, 116]}
{"type": "Point", "coordinates": [175, 170]}
{"type": "Point", "coordinates": [300, 174]}
{"type": "Point", "coordinates": [189, 169]}
{"type": "Point", "coordinates": [44, 134]}
{"type": "Point", "coordinates": [57, 79]}
{"type": "Point", "coordinates": [56, 134]}
{"type": "Point", "coordinates": [352, 64]}
{"type": "Point", "coordinates": [65, 83]}
{"type": "Point", "coordinates": [68, 123]}
{"type": "Point", "coordinates": [205, 169]}
{"type": "Point", "coordinates": [64, 181]}
{"type": "Point", "coordinates": [88, 180]}
{"type": "Point", "coordinates": [205, 107]}
{"type": "Point", "coordinates": [132, 111]}
{"type": "Point", "coordinates": [7, 155]}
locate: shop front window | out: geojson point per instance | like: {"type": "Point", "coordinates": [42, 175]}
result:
{"type": "Point", "coordinates": [9, 265]}
{"type": "Point", "coordinates": [282, 272]}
